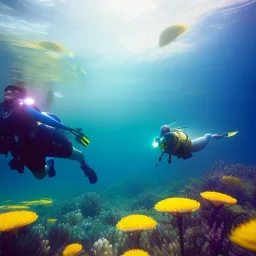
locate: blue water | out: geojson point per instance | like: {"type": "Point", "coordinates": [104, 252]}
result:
{"type": "Point", "coordinates": [122, 106]}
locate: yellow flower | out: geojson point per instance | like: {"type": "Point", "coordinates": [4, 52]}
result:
{"type": "Point", "coordinates": [135, 253]}
{"type": "Point", "coordinates": [217, 198]}
{"type": "Point", "coordinates": [12, 221]}
{"type": "Point", "coordinates": [136, 222]}
{"type": "Point", "coordinates": [177, 205]}
{"type": "Point", "coordinates": [72, 249]}
{"type": "Point", "coordinates": [37, 202]}
{"type": "Point", "coordinates": [52, 220]}
{"type": "Point", "coordinates": [245, 235]}
{"type": "Point", "coordinates": [17, 207]}
{"type": "Point", "coordinates": [231, 180]}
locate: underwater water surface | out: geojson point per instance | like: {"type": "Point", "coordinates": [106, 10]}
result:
{"type": "Point", "coordinates": [113, 80]}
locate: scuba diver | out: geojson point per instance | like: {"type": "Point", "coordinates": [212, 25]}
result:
{"type": "Point", "coordinates": [31, 136]}
{"type": "Point", "coordinates": [176, 142]}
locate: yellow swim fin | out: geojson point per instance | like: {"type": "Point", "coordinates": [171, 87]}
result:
{"type": "Point", "coordinates": [230, 134]}
{"type": "Point", "coordinates": [83, 140]}
{"type": "Point", "coordinates": [80, 137]}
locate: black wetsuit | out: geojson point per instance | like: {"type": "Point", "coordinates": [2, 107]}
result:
{"type": "Point", "coordinates": [26, 139]}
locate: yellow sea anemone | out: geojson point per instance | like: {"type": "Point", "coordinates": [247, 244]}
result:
{"type": "Point", "coordinates": [231, 180]}
{"type": "Point", "coordinates": [17, 207]}
{"type": "Point", "coordinates": [72, 249]}
{"type": "Point", "coordinates": [245, 235]}
{"type": "Point", "coordinates": [37, 202]}
{"type": "Point", "coordinates": [136, 222]}
{"type": "Point", "coordinates": [52, 46]}
{"type": "Point", "coordinates": [171, 33]}
{"type": "Point", "coordinates": [177, 205]}
{"type": "Point", "coordinates": [217, 198]}
{"type": "Point", "coordinates": [135, 253]}
{"type": "Point", "coordinates": [51, 220]}
{"type": "Point", "coordinates": [25, 44]}
{"type": "Point", "coordinates": [11, 221]}
{"type": "Point", "coordinates": [32, 46]}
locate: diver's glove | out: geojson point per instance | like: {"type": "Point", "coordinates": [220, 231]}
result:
{"type": "Point", "coordinates": [80, 137]}
{"type": "Point", "coordinates": [16, 164]}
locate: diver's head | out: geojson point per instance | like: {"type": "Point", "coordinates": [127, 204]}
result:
{"type": "Point", "coordinates": [164, 129]}
{"type": "Point", "coordinates": [14, 92]}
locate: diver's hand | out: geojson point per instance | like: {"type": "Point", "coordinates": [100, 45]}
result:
{"type": "Point", "coordinates": [77, 131]}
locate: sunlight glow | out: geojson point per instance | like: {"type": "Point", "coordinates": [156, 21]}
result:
{"type": "Point", "coordinates": [129, 10]}
{"type": "Point", "coordinates": [122, 29]}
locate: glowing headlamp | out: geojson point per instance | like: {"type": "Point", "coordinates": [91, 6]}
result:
{"type": "Point", "coordinates": [29, 101]}
{"type": "Point", "coordinates": [155, 144]}
{"type": "Point", "coordinates": [157, 141]}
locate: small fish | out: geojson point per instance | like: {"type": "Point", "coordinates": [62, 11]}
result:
{"type": "Point", "coordinates": [58, 94]}
{"type": "Point", "coordinates": [55, 94]}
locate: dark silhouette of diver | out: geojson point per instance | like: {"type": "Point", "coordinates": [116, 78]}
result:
{"type": "Point", "coordinates": [31, 136]}
{"type": "Point", "coordinates": [176, 142]}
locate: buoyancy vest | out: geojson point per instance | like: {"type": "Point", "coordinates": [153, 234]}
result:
{"type": "Point", "coordinates": [181, 139]}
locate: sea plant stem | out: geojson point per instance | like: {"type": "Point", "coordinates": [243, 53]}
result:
{"type": "Point", "coordinates": [136, 235]}
{"type": "Point", "coordinates": [180, 227]}
{"type": "Point", "coordinates": [216, 210]}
